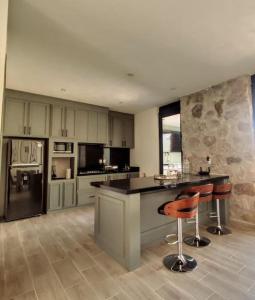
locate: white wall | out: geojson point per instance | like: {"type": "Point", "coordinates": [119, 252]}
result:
{"type": "Point", "coordinates": [146, 151]}
{"type": "Point", "coordinates": [3, 38]}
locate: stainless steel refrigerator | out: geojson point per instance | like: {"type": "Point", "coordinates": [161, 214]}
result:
{"type": "Point", "coordinates": [25, 179]}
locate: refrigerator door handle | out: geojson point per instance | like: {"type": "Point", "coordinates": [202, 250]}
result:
{"type": "Point", "coordinates": [24, 165]}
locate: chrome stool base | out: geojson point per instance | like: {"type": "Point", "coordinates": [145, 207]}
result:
{"type": "Point", "coordinates": [219, 230]}
{"type": "Point", "coordinates": [196, 242]}
{"type": "Point", "coordinates": [174, 263]}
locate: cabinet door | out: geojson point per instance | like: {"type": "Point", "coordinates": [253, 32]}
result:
{"type": "Point", "coordinates": [69, 194]}
{"type": "Point", "coordinates": [117, 132]}
{"type": "Point", "coordinates": [15, 118]}
{"type": "Point", "coordinates": [70, 122]}
{"type": "Point", "coordinates": [92, 127]}
{"type": "Point", "coordinates": [55, 196]}
{"type": "Point", "coordinates": [38, 119]}
{"type": "Point", "coordinates": [57, 121]}
{"type": "Point", "coordinates": [128, 133]}
{"type": "Point", "coordinates": [81, 125]}
{"type": "Point", "coordinates": [102, 131]}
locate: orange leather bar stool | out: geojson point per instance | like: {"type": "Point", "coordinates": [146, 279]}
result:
{"type": "Point", "coordinates": [205, 195]}
{"type": "Point", "coordinates": [183, 207]}
{"type": "Point", "coordinates": [220, 192]}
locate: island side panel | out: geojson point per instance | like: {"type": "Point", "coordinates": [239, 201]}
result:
{"type": "Point", "coordinates": [117, 226]}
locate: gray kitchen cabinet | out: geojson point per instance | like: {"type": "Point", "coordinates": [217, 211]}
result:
{"type": "Point", "coordinates": [102, 128]}
{"type": "Point", "coordinates": [70, 122]}
{"type": "Point", "coordinates": [57, 121]}
{"type": "Point", "coordinates": [92, 126]}
{"type": "Point", "coordinates": [38, 119]}
{"type": "Point", "coordinates": [24, 118]}
{"type": "Point", "coordinates": [15, 117]}
{"type": "Point", "coordinates": [128, 132]}
{"type": "Point", "coordinates": [61, 194]}
{"type": "Point", "coordinates": [121, 130]}
{"type": "Point", "coordinates": [69, 192]}
{"type": "Point", "coordinates": [62, 121]}
{"type": "Point", "coordinates": [81, 125]}
{"type": "Point", "coordinates": [116, 134]}
{"type": "Point", "coordinates": [55, 195]}
{"type": "Point", "coordinates": [86, 193]}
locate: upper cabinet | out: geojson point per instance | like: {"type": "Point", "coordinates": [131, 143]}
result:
{"type": "Point", "coordinates": [29, 115]}
{"type": "Point", "coordinates": [91, 126]}
{"type": "Point", "coordinates": [121, 130]}
{"type": "Point", "coordinates": [63, 121]}
{"type": "Point", "coordinates": [102, 127]}
{"type": "Point", "coordinates": [81, 125]}
{"type": "Point", "coordinates": [24, 118]}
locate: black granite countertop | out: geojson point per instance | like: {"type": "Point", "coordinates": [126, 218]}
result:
{"type": "Point", "coordinates": [105, 172]}
{"type": "Point", "coordinates": [146, 184]}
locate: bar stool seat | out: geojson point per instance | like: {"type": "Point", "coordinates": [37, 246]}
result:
{"type": "Point", "coordinates": [220, 192]}
{"type": "Point", "coordinates": [205, 195]}
{"type": "Point", "coordinates": [183, 207]}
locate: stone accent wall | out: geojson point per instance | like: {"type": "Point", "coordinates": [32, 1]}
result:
{"type": "Point", "coordinates": [217, 122]}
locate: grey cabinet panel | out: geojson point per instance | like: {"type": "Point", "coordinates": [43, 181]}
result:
{"type": "Point", "coordinates": [57, 121]}
{"type": "Point", "coordinates": [92, 127]}
{"type": "Point", "coordinates": [121, 130]}
{"type": "Point", "coordinates": [15, 117]}
{"type": "Point", "coordinates": [85, 192]}
{"type": "Point", "coordinates": [102, 133]}
{"type": "Point", "coordinates": [38, 119]}
{"type": "Point", "coordinates": [128, 133]}
{"type": "Point", "coordinates": [81, 125]}
{"type": "Point", "coordinates": [70, 122]}
{"type": "Point", "coordinates": [69, 194]}
{"type": "Point", "coordinates": [55, 196]}
{"type": "Point", "coordinates": [117, 132]}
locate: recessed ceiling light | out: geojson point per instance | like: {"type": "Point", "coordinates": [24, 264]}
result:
{"type": "Point", "coordinates": [130, 74]}
{"type": "Point", "coordinates": [63, 90]}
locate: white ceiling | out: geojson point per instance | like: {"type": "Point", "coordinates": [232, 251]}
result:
{"type": "Point", "coordinates": [87, 47]}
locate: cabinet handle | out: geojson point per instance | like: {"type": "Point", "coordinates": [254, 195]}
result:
{"type": "Point", "coordinates": [66, 132]}
{"type": "Point", "coordinates": [110, 142]}
{"type": "Point", "coordinates": [92, 196]}
{"type": "Point", "coordinates": [25, 129]}
{"type": "Point", "coordinates": [29, 130]}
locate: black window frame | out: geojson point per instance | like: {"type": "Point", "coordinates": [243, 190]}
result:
{"type": "Point", "coordinates": [166, 111]}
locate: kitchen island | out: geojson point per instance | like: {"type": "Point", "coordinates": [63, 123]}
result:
{"type": "Point", "coordinates": [126, 216]}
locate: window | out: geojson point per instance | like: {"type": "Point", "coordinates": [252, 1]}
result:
{"type": "Point", "coordinates": [170, 138]}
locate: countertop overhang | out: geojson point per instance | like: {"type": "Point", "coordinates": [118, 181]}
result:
{"type": "Point", "coordinates": [147, 184]}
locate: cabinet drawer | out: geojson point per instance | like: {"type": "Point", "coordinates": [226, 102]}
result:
{"type": "Point", "coordinates": [84, 182]}
{"type": "Point", "coordinates": [86, 196]}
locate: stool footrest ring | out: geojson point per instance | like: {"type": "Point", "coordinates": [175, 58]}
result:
{"type": "Point", "coordinates": [167, 239]}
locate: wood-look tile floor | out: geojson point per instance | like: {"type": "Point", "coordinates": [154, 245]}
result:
{"type": "Point", "coordinates": [54, 257]}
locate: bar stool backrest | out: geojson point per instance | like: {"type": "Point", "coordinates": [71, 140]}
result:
{"type": "Point", "coordinates": [184, 207]}
{"type": "Point", "coordinates": [204, 190]}
{"type": "Point", "coordinates": [222, 191]}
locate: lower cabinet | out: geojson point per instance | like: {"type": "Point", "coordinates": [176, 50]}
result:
{"type": "Point", "coordinates": [61, 195]}
{"type": "Point", "coordinates": [86, 193]}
